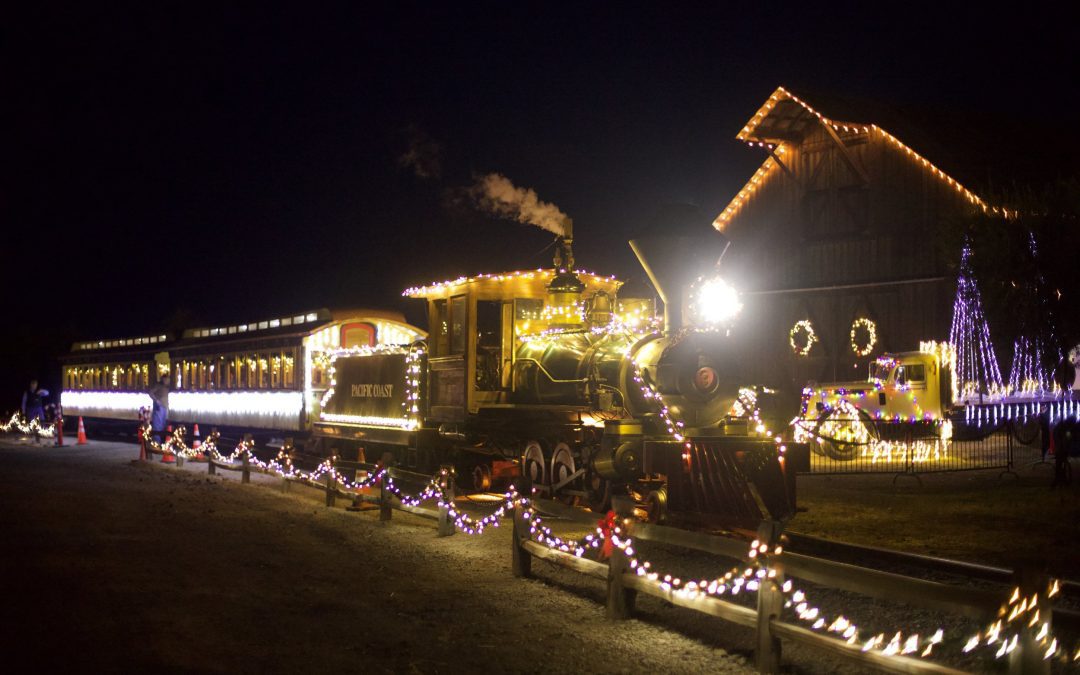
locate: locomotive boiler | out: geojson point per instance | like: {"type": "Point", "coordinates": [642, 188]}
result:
{"type": "Point", "coordinates": [553, 375]}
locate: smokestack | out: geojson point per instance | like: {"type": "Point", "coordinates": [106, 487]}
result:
{"type": "Point", "coordinates": [673, 263]}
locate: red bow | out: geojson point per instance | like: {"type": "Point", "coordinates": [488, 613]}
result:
{"type": "Point", "coordinates": [607, 528]}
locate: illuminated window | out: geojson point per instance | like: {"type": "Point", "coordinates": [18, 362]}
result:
{"type": "Point", "coordinates": [357, 335]}
{"type": "Point", "coordinates": [275, 371]}
{"type": "Point", "coordinates": [288, 375]}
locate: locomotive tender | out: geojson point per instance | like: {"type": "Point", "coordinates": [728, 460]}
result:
{"type": "Point", "coordinates": [549, 374]}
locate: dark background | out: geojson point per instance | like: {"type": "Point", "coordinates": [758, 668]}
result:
{"type": "Point", "coordinates": [168, 165]}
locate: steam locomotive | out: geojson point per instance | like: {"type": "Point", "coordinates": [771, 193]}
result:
{"type": "Point", "coordinates": [552, 375]}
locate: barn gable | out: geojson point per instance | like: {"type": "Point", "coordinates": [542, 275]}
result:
{"type": "Point", "coordinates": [837, 226]}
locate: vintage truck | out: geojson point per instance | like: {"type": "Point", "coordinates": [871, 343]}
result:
{"type": "Point", "coordinates": [914, 396]}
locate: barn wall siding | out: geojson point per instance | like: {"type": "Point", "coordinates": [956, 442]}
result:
{"type": "Point", "coordinates": [825, 228]}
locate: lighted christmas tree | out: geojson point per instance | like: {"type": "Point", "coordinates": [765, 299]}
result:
{"type": "Point", "coordinates": [977, 371]}
{"type": "Point", "coordinates": [1033, 359]}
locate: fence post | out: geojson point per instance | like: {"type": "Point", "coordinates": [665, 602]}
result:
{"type": "Point", "coordinates": [331, 482]}
{"type": "Point", "coordinates": [386, 508]}
{"type": "Point", "coordinates": [1027, 658]}
{"type": "Point", "coordinates": [179, 439]}
{"type": "Point", "coordinates": [521, 561]}
{"type": "Point", "coordinates": [245, 475]}
{"type": "Point", "coordinates": [770, 602]}
{"type": "Point", "coordinates": [446, 482]}
{"type": "Point", "coordinates": [287, 451]}
{"type": "Point", "coordinates": [210, 468]}
{"type": "Point", "coordinates": [620, 600]}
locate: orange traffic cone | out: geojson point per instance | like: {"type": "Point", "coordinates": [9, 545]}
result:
{"type": "Point", "coordinates": [168, 457]}
{"type": "Point", "coordinates": [82, 433]}
{"type": "Point", "coordinates": [196, 444]}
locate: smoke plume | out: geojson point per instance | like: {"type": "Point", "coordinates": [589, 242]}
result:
{"type": "Point", "coordinates": [423, 156]}
{"type": "Point", "coordinates": [495, 194]}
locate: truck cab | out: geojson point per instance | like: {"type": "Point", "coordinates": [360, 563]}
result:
{"type": "Point", "coordinates": [901, 387]}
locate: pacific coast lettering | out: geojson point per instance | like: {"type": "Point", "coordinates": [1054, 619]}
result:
{"type": "Point", "coordinates": [372, 390]}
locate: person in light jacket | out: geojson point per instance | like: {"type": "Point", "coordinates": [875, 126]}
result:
{"type": "Point", "coordinates": [159, 394]}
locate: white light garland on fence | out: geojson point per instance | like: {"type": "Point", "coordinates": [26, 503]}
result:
{"type": "Point", "coordinates": [736, 580]}
{"type": "Point", "coordinates": [32, 428]}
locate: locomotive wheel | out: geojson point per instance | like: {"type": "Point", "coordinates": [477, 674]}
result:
{"type": "Point", "coordinates": [533, 464]}
{"type": "Point", "coordinates": [562, 467]}
{"type": "Point", "coordinates": [481, 475]}
{"type": "Point", "coordinates": [656, 505]}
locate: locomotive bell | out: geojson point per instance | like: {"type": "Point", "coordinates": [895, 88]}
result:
{"type": "Point", "coordinates": [673, 262]}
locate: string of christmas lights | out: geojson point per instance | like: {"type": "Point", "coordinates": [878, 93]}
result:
{"type": "Point", "coordinates": [777, 150]}
{"type": "Point", "coordinates": [737, 579]}
{"type": "Point", "coordinates": [802, 337]}
{"type": "Point", "coordinates": [32, 428]}
{"type": "Point", "coordinates": [410, 405]}
{"type": "Point", "coordinates": [863, 347]}
{"type": "Point", "coordinates": [734, 581]}
{"type": "Point", "coordinates": [977, 366]}
{"type": "Point", "coordinates": [1031, 372]}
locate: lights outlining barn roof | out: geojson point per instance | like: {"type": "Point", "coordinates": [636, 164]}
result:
{"type": "Point", "coordinates": [750, 135]}
{"type": "Point", "coordinates": [522, 275]}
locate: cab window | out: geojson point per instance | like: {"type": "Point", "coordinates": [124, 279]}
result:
{"type": "Point", "coordinates": [912, 373]}
{"type": "Point", "coordinates": [489, 331]}
{"type": "Point", "coordinates": [458, 324]}
{"type": "Point", "coordinates": [441, 329]}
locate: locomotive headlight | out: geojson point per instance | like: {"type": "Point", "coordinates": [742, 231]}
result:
{"type": "Point", "coordinates": [714, 302]}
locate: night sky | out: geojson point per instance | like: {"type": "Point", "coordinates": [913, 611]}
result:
{"type": "Point", "coordinates": [168, 165]}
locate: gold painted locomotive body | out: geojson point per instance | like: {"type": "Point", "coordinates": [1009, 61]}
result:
{"type": "Point", "coordinates": [550, 374]}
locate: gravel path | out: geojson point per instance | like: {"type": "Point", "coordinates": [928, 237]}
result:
{"type": "Point", "coordinates": [110, 565]}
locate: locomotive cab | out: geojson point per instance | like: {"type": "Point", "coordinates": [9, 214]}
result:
{"type": "Point", "coordinates": [476, 324]}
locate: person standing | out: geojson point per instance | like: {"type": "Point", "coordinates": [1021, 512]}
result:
{"type": "Point", "coordinates": [159, 393]}
{"type": "Point", "coordinates": [33, 403]}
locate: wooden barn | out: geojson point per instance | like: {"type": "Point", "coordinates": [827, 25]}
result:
{"type": "Point", "coordinates": [834, 239]}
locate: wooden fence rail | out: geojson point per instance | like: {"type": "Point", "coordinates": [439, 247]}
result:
{"type": "Point", "coordinates": [624, 584]}
{"type": "Point", "coordinates": [332, 488]}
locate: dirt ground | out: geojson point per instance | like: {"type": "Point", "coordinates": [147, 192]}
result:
{"type": "Point", "coordinates": [114, 565]}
